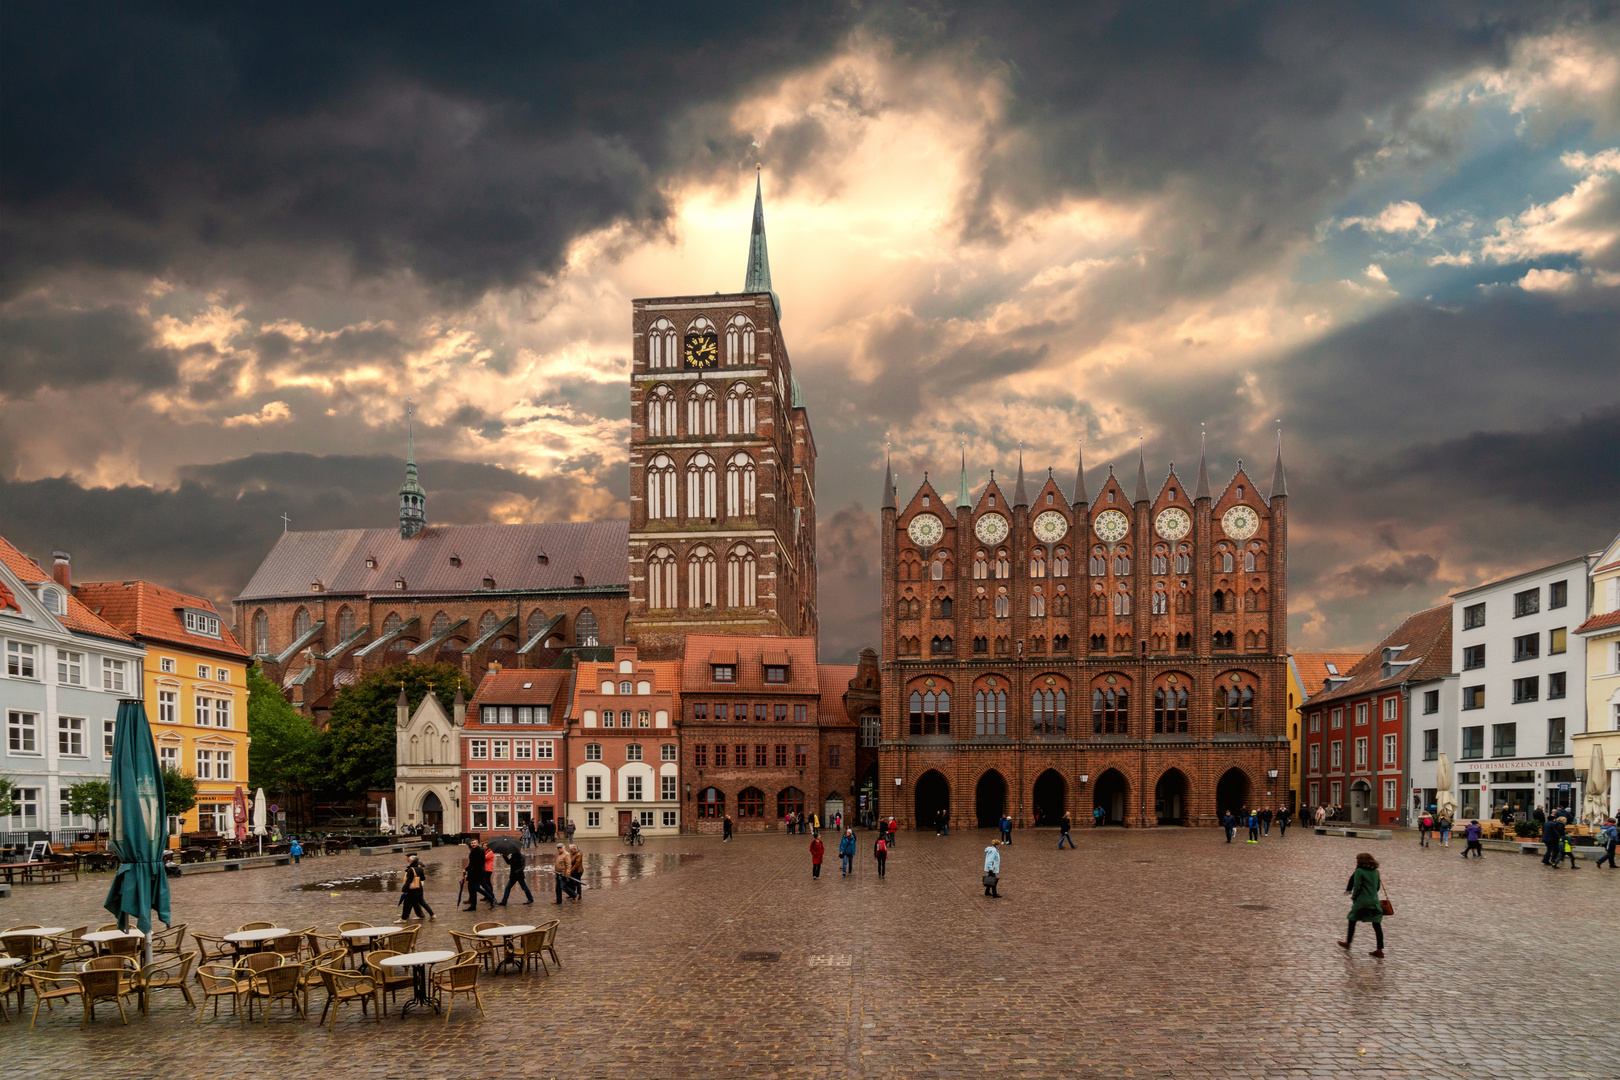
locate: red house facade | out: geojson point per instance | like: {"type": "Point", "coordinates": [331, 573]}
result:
{"type": "Point", "coordinates": [513, 751]}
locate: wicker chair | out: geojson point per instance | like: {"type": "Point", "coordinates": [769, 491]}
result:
{"type": "Point", "coordinates": [460, 979]}
{"type": "Point", "coordinates": [103, 984]}
{"type": "Point", "coordinates": [50, 987]}
{"type": "Point", "coordinates": [390, 980]}
{"type": "Point", "coordinates": [124, 946]}
{"type": "Point", "coordinates": [403, 942]}
{"type": "Point", "coordinates": [49, 964]}
{"type": "Point", "coordinates": [347, 987]}
{"type": "Point", "coordinates": [72, 945]}
{"type": "Point", "coordinates": [272, 984]}
{"type": "Point", "coordinates": [290, 947]}
{"type": "Point", "coordinates": [550, 946]}
{"type": "Point", "coordinates": [256, 926]}
{"type": "Point", "coordinates": [324, 943]}
{"type": "Point", "coordinates": [304, 938]}
{"type": "Point", "coordinates": [169, 973]}
{"type": "Point", "coordinates": [482, 948]}
{"type": "Point", "coordinates": [356, 946]}
{"type": "Point", "coordinates": [171, 941]}
{"type": "Point", "coordinates": [487, 944]}
{"type": "Point", "coordinates": [104, 927]}
{"type": "Point", "coordinates": [309, 972]}
{"type": "Point", "coordinates": [528, 948]}
{"type": "Point", "coordinates": [220, 980]}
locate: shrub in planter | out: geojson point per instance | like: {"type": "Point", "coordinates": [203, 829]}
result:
{"type": "Point", "coordinates": [1526, 829]}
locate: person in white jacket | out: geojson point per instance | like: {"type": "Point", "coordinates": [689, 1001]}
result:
{"type": "Point", "coordinates": [992, 869]}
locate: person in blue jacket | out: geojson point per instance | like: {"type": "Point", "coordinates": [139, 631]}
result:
{"type": "Point", "coordinates": [297, 852]}
{"type": "Point", "coordinates": [846, 853]}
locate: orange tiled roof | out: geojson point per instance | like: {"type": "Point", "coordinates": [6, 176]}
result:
{"type": "Point", "coordinates": [750, 655]}
{"type": "Point", "coordinates": [1313, 668]}
{"type": "Point", "coordinates": [151, 612]}
{"type": "Point", "coordinates": [78, 616]}
{"type": "Point", "coordinates": [519, 686]}
{"type": "Point", "coordinates": [1427, 637]}
{"type": "Point", "coordinates": [1599, 622]}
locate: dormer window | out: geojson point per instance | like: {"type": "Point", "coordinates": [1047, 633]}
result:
{"type": "Point", "coordinates": [579, 579]}
{"type": "Point", "coordinates": [399, 583]}
{"type": "Point", "coordinates": [53, 602]}
{"type": "Point", "coordinates": [455, 560]}
{"type": "Point", "coordinates": [542, 559]}
{"type": "Point", "coordinates": [314, 586]}
{"type": "Point", "coordinates": [371, 562]}
{"type": "Point", "coordinates": [775, 673]}
{"type": "Point", "coordinates": [201, 622]}
{"type": "Point", "coordinates": [489, 582]}
{"type": "Point", "coordinates": [723, 672]}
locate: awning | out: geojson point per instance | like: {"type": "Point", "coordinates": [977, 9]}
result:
{"type": "Point", "coordinates": [724, 656]}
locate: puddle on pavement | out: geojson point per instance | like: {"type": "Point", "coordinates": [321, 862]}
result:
{"type": "Point", "coordinates": [602, 870]}
{"type": "Point", "coordinates": [379, 881]}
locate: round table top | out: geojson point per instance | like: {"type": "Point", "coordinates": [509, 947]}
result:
{"type": "Point", "coordinates": [38, 931]}
{"type": "Point", "coordinates": [417, 959]}
{"type": "Point", "coordinates": [505, 931]}
{"type": "Point", "coordinates": [255, 935]}
{"type": "Point", "coordinates": [10, 961]}
{"type": "Point", "coordinates": [112, 935]}
{"type": "Point", "coordinates": [372, 931]}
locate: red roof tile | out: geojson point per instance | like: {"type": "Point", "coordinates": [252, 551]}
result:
{"type": "Point", "coordinates": [151, 612]}
{"type": "Point", "coordinates": [1427, 637]}
{"type": "Point", "coordinates": [520, 686]}
{"type": "Point", "coordinates": [1313, 668]}
{"type": "Point", "coordinates": [1599, 622]}
{"type": "Point", "coordinates": [834, 683]}
{"type": "Point", "coordinates": [78, 616]}
{"type": "Point", "coordinates": [750, 662]}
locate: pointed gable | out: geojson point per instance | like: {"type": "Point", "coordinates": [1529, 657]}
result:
{"type": "Point", "coordinates": [925, 500]}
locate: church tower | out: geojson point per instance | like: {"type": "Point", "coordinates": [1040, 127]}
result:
{"type": "Point", "coordinates": [412, 499]}
{"type": "Point", "coordinates": [722, 468]}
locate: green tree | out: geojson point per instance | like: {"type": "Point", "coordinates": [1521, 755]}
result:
{"type": "Point", "coordinates": [284, 747]}
{"type": "Point", "coordinates": [91, 799]}
{"type": "Point", "coordinates": [5, 796]}
{"type": "Point", "coordinates": [357, 747]}
{"type": "Point", "coordinates": [179, 791]}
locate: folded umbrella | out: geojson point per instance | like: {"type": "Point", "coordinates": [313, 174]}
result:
{"type": "Point", "coordinates": [138, 823]}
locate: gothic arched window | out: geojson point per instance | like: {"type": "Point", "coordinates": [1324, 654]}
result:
{"type": "Point", "coordinates": [261, 632]}
{"type": "Point", "coordinates": [1184, 560]}
{"type": "Point", "coordinates": [1037, 604]}
{"type": "Point", "coordinates": [345, 622]}
{"type": "Point", "coordinates": [700, 487]}
{"type": "Point", "coordinates": [1003, 605]}
{"type": "Point", "coordinates": [1003, 566]}
{"type": "Point", "coordinates": [661, 592]}
{"type": "Point", "coordinates": [661, 488]}
{"type": "Point", "coordinates": [1122, 563]}
{"type": "Point", "coordinates": [1160, 563]}
{"type": "Point", "coordinates": [585, 627]}
{"type": "Point", "coordinates": [1226, 562]}
{"type": "Point", "coordinates": [1248, 561]}
{"type": "Point", "coordinates": [441, 623]}
{"type": "Point", "coordinates": [740, 486]}
{"type": "Point", "coordinates": [990, 712]}
{"type": "Point", "coordinates": [661, 350]}
{"type": "Point", "coordinates": [661, 413]}
{"type": "Point", "coordinates": [1037, 563]}
{"type": "Point", "coordinates": [487, 623]}
{"type": "Point", "coordinates": [700, 411]}
{"type": "Point", "coordinates": [981, 566]}
{"type": "Point", "coordinates": [1099, 565]}
{"type": "Point", "coordinates": [301, 623]}
{"type": "Point", "coordinates": [1060, 562]}
{"type": "Point", "coordinates": [741, 579]}
{"type": "Point", "coordinates": [700, 575]}
{"type": "Point", "coordinates": [739, 341]}
{"type": "Point", "coordinates": [1122, 603]}
{"type": "Point", "coordinates": [391, 623]}
{"type": "Point", "coordinates": [740, 410]}
{"type": "Point", "coordinates": [1110, 712]}
{"type": "Point", "coordinates": [1161, 602]}
{"type": "Point", "coordinates": [537, 622]}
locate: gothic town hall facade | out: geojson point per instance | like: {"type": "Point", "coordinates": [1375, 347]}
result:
{"type": "Point", "coordinates": [1046, 653]}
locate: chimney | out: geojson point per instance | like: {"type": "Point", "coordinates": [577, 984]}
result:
{"type": "Point", "coordinates": [61, 569]}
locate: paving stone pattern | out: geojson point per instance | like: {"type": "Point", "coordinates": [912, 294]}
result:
{"type": "Point", "coordinates": [1144, 954]}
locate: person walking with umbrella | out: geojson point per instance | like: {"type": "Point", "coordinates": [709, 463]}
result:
{"type": "Point", "coordinates": [478, 875]}
{"type": "Point", "coordinates": [1364, 905]}
{"type": "Point", "coordinates": [509, 849]}
{"type": "Point", "coordinates": [817, 850]}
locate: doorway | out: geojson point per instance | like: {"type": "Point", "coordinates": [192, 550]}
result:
{"type": "Point", "coordinates": [933, 795]}
{"type": "Point", "coordinates": [1232, 793]}
{"type": "Point", "coordinates": [834, 807]}
{"type": "Point", "coordinates": [432, 812]}
{"type": "Point", "coordinates": [1109, 793]}
{"type": "Point", "coordinates": [1361, 802]}
{"type": "Point", "coordinates": [990, 799]}
{"type": "Point", "coordinates": [1051, 798]}
{"type": "Point", "coordinates": [1170, 798]}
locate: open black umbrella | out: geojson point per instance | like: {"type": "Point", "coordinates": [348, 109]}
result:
{"type": "Point", "coordinates": [506, 846]}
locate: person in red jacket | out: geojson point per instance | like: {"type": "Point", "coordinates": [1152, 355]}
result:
{"type": "Point", "coordinates": [817, 849]}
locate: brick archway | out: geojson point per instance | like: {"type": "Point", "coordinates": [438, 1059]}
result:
{"type": "Point", "coordinates": [990, 799]}
{"type": "Point", "coordinates": [1111, 791]}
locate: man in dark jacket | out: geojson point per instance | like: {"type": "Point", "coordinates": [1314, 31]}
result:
{"type": "Point", "coordinates": [477, 876]}
{"type": "Point", "coordinates": [1229, 822]}
{"type": "Point", "coordinates": [1063, 831]}
{"type": "Point", "coordinates": [1551, 833]}
{"type": "Point", "coordinates": [514, 877]}
{"type": "Point", "coordinates": [1265, 821]}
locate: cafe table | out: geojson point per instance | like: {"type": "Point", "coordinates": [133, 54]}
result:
{"type": "Point", "coordinates": [506, 933]}
{"type": "Point", "coordinates": [418, 962]}
{"type": "Point", "coordinates": [37, 932]}
{"type": "Point", "coordinates": [101, 937]}
{"type": "Point", "coordinates": [255, 938]}
{"type": "Point", "coordinates": [368, 935]}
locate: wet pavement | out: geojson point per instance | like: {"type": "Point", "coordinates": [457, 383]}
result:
{"type": "Point", "coordinates": [1145, 954]}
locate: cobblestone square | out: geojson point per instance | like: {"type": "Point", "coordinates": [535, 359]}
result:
{"type": "Point", "coordinates": [1144, 954]}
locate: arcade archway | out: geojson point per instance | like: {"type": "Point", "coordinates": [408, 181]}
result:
{"type": "Point", "coordinates": [990, 799]}
{"type": "Point", "coordinates": [1170, 798]}
{"type": "Point", "coordinates": [1051, 797]}
{"type": "Point", "coordinates": [1232, 793]}
{"type": "Point", "coordinates": [933, 794]}
{"type": "Point", "coordinates": [1109, 793]}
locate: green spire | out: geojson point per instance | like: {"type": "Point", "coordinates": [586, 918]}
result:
{"type": "Point", "coordinates": [412, 499]}
{"type": "Point", "coordinates": [759, 260]}
{"type": "Point", "coordinates": [962, 488]}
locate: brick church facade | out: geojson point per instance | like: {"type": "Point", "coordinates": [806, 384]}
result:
{"type": "Point", "coordinates": [1045, 654]}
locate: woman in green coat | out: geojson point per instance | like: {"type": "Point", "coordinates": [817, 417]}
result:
{"type": "Point", "coordinates": [1364, 907]}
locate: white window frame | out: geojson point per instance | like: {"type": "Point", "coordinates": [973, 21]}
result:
{"type": "Point", "coordinates": [169, 757]}
{"type": "Point", "coordinates": [69, 667]}
{"type": "Point", "coordinates": [593, 789]}
{"type": "Point", "coordinates": [632, 789]}
{"type": "Point", "coordinates": [632, 752]}
{"type": "Point", "coordinates": [166, 665]}
{"type": "Point", "coordinates": [478, 749]}
{"type": "Point", "coordinates": [202, 711]}
{"type": "Point", "coordinates": [22, 733]}
{"type": "Point", "coordinates": [667, 789]}
{"type": "Point", "coordinates": [1391, 751]}
{"type": "Point", "coordinates": [545, 784]}
{"type": "Point", "coordinates": [1392, 794]}
{"type": "Point", "coordinates": [22, 660]}
{"type": "Point", "coordinates": [593, 819]}
{"type": "Point", "coordinates": [478, 784]}
{"type": "Point", "coordinates": [204, 759]}
{"type": "Point", "coordinates": [669, 752]}
{"type": "Point", "coordinates": [70, 736]}
{"type": "Point", "coordinates": [223, 765]}
{"type": "Point", "coordinates": [545, 751]}
{"type": "Point", "coordinates": [1361, 751]}
{"type": "Point", "coordinates": [109, 732]}
{"type": "Point", "coordinates": [222, 712]}
{"type": "Point", "coordinates": [113, 673]}
{"type": "Point", "coordinates": [168, 706]}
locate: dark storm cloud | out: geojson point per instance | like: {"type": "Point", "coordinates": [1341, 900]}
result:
{"type": "Point", "coordinates": [65, 348]}
{"type": "Point", "coordinates": [212, 530]}
{"type": "Point", "coordinates": [850, 577]}
{"type": "Point", "coordinates": [467, 144]}
{"type": "Point", "coordinates": [1406, 571]}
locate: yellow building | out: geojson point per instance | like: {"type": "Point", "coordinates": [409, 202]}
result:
{"type": "Point", "coordinates": [195, 687]}
{"type": "Point", "coordinates": [1306, 674]}
{"type": "Point", "coordinates": [1601, 631]}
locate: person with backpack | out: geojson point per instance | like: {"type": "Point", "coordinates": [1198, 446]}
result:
{"type": "Point", "coordinates": [1609, 834]}
{"type": "Point", "coordinates": [1472, 833]}
{"type": "Point", "coordinates": [1254, 827]}
{"type": "Point", "coordinates": [1443, 823]}
{"type": "Point", "coordinates": [1425, 827]}
{"type": "Point", "coordinates": [880, 851]}
{"type": "Point", "coordinates": [846, 853]}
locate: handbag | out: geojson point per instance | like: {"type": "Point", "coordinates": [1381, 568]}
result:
{"type": "Point", "coordinates": [990, 880]}
{"type": "Point", "coordinates": [1384, 904]}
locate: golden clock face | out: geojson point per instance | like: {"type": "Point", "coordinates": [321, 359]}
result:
{"type": "Point", "coordinates": [702, 350]}
{"type": "Point", "coordinates": [1112, 526]}
{"type": "Point", "coordinates": [1240, 522]}
{"type": "Point", "coordinates": [1174, 523]}
{"type": "Point", "coordinates": [1049, 527]}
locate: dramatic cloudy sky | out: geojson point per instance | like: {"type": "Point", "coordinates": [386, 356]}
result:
{"type": "Point", "coordinates": [232, 241]}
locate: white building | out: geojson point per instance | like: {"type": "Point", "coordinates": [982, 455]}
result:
{"type": "Point", "coordinates": [1600, 634]}
{"type": "Point", "coordinates": [65, 670]}
{"type": "Point", "coordinates": [427, 762]}
{"type": "Point", "coordinates": [1520, 674]}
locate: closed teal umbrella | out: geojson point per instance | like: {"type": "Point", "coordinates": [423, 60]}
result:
{"type": "Point", "coordinates": [139, 823]}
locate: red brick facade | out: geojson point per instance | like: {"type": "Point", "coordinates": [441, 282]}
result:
{"type": "Point", "coordinates": [512, 752]}
{"type": "Point", "coordinates": [623, 761]}
{"type": "Point", "coordinates": [722, 475]}
{"type": "Point", "coordinates": [1067, 635]}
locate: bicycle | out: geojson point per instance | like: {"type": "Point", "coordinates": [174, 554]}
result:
{"type": "Point", "coordinates": [633, 838]}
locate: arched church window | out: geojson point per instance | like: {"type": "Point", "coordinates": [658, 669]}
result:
{"type": "Point", "coordinates": [739, 341]}
{"type": "Point", "coordinates": [441, 623]}
{"type": "Point", "coordinates": [585, 631]}
{"type": "Point", "coordinates": [1037, 604]}
{"type": "Point", "coordinates": [392, 623]}
{"type": "Point", "coordinates": [537, 622]}
{"type": "Point", "coordinates": [700, 410]}
{"type": "Point", "coordinates": [487, 623]}
{"type": "Point", "coordinates": [661, 348]}
{"type": "Point", "coordinates": [1060, 562]}
{"type": "Point", "coordinates": [740, 578]}
{"type": "Point", "coordinates": [661, 579]}
{"type": "Point", "coordinates": [661, 488]}
{"type": "Point", "coordinates": [740, 409]}
{"type": "Point", "coordinates": [1122, 602]}
{"type": "Point", "coordinates": [1037, 563]}
{"type": "Point", "coordinates": [1003, 605]}
{"type": "Point", "coordinates": [700, 578]}
{"type": "Point", "coordinates": [1003, 565]}
{"type": "Point", "coordinates": [345, 622]}
{"type": "Point", "coordinates": [981, 566]}
{"type": "Point", "coordinates": [700, 485]}
{"type": "Point", "coordinates": [301, 623]}
{"type": "Point", "coordinates": [740, 486]}
{"type": "Point", "coordinates": [261, 632]}
{"type": "Point", "coordinates": [661, 413]}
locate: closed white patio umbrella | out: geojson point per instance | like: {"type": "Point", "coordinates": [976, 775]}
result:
{"type": "Point", "coordinates": [261, 817]}
{"type": "Point", "coordinates": [1445, 801]}
{"type": "Point", "coordinates": [1597, 789]}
